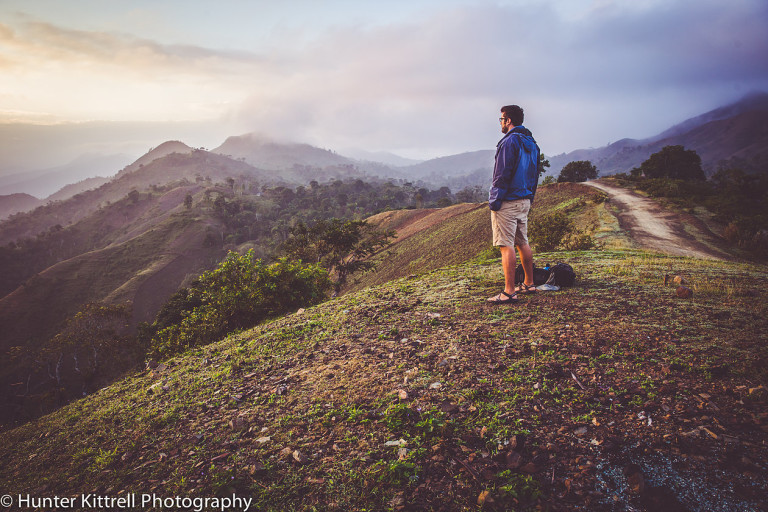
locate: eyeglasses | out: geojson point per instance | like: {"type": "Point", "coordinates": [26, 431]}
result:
{"type": "Point", "coordinates": [502, 120]}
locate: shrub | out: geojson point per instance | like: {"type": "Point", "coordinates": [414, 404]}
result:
{"type": "Point", "coordinates": [547, 232]}
{"type": "Point", "coordinates": [579, 241]}
{"type": "Point", "coordinates": [239, 294]}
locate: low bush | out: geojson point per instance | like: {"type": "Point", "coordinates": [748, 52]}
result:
{"type": "Point", "coordinates": [241, 292]}
{"type": "Point", "coordinates": [556, 231]}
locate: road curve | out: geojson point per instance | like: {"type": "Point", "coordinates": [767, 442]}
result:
{"type": "Point", "coordinates": [654, 227]}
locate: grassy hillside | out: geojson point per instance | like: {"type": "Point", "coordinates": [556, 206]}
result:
{"type": "Point", "coordinates": [428, 239]}
{"type": "Point", "coordinates": [418, 395]}
{"type": "Point", "coordinates": [113, 274]}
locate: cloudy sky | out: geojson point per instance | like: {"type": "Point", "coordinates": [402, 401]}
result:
{"type": "Point", "coordinates": [420, 78]}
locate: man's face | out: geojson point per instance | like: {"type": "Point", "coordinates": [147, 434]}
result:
{"type": "Point", "coordinates": [505, 125]}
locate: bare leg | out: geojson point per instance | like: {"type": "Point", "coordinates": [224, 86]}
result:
{"type": "Point", "coordinates": [508, 264]}
{"type": "Point", "coordinates": [526, 258]}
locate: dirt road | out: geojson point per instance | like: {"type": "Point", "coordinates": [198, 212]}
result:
{"type": "Point", "coordinates": [654, 227]}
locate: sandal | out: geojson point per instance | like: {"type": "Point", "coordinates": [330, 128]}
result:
{"type": "Point", "coordinates": [524, 288]}
{"type": "Point", "coordinates": [509, 300]}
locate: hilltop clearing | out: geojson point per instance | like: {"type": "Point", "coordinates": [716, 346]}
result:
{"type": "Point", "coordinates": [416, 395]}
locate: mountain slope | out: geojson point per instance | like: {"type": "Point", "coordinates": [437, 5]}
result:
{"type": "Point", "coordinates": [15, 203]}
{"type": "Point", "coordinates": [166, 148]}
{"type": "Point", "coordinates": [736, 134]}
{"type": "Point", "coordinates": [194, 166]}
{"type": "Point", "coordinates": [42, 183]}
{"type": "Point", "coordinates": [453, 165]}
{"type": "Point", "coordinates": [263, 153]}
{"type": "Point", "coordinates": [404, 394]}
{"type": "Point", "coordinates": [401, 394]}
{"type": "Point", "coordinates": [73, 189]}
{"type": "Point", "coordinates": [429, 239]}
{"type": "Point", "coordinates": [156, 259]}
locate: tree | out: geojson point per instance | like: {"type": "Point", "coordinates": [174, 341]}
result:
{"type": "Point", "coordinates": [577, 171]}
{"type": "Point", "coordinates": [342, 247]}
{"type": "Point", "coordinates": [95, 340]}
{"type": "Point", "coordinates": [471, 195]}
{"type": "Point", "coordinates": [542, 164]}
{"type": "Point", "coordinates": [674, 162]}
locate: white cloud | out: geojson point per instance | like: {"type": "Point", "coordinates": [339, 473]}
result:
{"type": "Point", "coordinates": [586, 74]}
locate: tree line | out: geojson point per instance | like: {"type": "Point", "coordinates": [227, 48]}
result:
{"type": "Point", "coordinates": [737, 199]}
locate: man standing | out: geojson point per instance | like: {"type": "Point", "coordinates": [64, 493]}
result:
{"type": "Point", "coordinates": [515, 178]}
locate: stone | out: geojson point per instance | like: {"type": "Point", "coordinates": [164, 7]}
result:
{"type": "Point", "coordinates": [239, 424]}
{"type": "Point", "coordinates": [299, 457]}
{"type": "Point", "coordinates": [448, 407]}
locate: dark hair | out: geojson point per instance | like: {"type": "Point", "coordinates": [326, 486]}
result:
{"type": "Point", "coordinates": [514, 113]}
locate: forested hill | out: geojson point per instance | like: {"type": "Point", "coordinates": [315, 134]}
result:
{"type": "Point", "coordinates": [135, 251]}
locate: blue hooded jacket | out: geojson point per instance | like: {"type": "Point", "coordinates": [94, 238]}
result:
{"type": "Point", "coordinates": [516, 173]}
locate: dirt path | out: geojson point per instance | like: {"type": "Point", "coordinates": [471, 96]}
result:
{"type": "Point", "coordinates": [654, 227]}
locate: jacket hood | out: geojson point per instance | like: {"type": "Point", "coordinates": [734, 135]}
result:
{"type": "Point", "coordinates": [528, 142]}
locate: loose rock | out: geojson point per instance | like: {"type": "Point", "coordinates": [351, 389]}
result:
{"type": "Point", "coordinates": [299, 457]}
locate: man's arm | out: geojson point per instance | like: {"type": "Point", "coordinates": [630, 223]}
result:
{"type": "Point", "coordinates": [502, 172]}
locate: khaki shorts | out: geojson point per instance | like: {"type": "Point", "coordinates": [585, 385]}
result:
{"type": "Point", "coordinates": [510, 223]}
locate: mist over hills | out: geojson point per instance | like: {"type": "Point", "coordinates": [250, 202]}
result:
{"type": "Point", "coordinates": [45, 182]}
{"type": "Point", "coordinates": [734, 135]}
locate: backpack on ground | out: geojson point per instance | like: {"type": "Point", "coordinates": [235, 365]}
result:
{"type": "Point", "coordinates": [561, 275]}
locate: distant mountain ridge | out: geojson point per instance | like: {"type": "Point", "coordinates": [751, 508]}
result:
{"type": "Point", "coordinates": [14, 203]}
{"type": "Point", "coordinates": [735, 135]}
{"type": "Point", "coordinates": [44, 182]}
{"type": "Point", "coordinates": [264, 153]}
